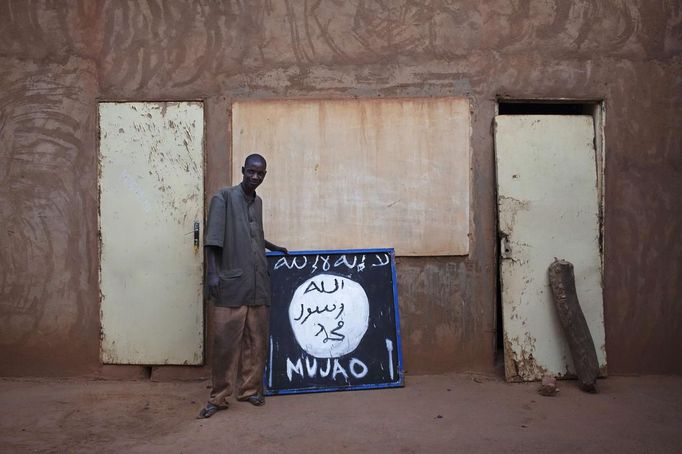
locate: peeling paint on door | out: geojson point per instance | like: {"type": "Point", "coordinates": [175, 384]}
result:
{"type": "Point", "coordinates": [548, 207]}
{"type": "Point", "coordinates": [151, 187]}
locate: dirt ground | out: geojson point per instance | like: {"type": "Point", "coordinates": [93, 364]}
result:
{"type": "Point", "coordinates": [443, 413]}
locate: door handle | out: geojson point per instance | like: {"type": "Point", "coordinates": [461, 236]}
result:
{"type": "Point", "coordinates": [196, 234]}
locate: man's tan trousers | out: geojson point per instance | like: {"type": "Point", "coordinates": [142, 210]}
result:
{"type": "Point", "coordinates": [239, 348]}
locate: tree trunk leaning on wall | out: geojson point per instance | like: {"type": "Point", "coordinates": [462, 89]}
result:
{"type": "Point", "coordinates": [562, 282]}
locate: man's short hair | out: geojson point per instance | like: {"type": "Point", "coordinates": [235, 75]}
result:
{"type": "Point", "coordinates": [255, 158]}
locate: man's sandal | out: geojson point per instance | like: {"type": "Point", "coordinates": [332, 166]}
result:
{"type": "Point", "coordinates": [209, 411]}
{"type": "Point", "coordinates": [256, 400]}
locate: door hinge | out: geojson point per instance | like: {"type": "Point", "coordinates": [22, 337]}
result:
{"type": "Point", "coordinates": [505, 247]}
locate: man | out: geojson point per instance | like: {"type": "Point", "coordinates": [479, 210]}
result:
{"type": "Point", "coordinates": [239, 284]}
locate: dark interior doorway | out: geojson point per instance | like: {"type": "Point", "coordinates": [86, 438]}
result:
{"type": "Point", "coordinates": [544, 108]}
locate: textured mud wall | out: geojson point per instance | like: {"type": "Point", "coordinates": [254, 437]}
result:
{"type": "Point", "coordinates": [58, 58]}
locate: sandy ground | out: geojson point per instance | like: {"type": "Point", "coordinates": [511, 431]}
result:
{"type": "Point", "coordinates": [444, 413]}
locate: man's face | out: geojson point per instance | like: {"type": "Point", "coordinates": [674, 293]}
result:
{"type": "Point", "coordinates": [254, 174]}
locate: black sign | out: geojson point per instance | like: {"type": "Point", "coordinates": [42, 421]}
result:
{"type": "Point", "coordinates": [334, 322]}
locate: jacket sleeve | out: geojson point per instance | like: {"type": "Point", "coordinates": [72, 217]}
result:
{"type": "Point", "coordinates": [215, 224]}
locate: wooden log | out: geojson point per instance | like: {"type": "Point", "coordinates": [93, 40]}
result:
{"type": "Point", "coordinates": [562, 282]}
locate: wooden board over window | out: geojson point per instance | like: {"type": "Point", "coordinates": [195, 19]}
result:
{"type": "Point", "coordinates": [346, 174]}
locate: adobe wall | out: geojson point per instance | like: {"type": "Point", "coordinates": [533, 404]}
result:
{"type": "Point", "coordinates": [57, 59]}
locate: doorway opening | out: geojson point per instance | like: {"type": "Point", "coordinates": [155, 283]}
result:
{"type": "Point", "coordinates": [546, 107]}
{"type": "Point", "coordinates": [509, 107]}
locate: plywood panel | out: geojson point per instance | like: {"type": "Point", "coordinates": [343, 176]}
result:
{"type": "Point", "coordinates": [151, 187]}
{"type": "Point", "coordinates": [361, 173]}
{"type": "Point", "coordinates": [548, 207]}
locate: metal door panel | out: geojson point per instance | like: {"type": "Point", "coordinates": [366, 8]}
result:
{"type": "Point", "coordinates": [548, 207]}
{"type": "Point", "coordinates": [151, 194]}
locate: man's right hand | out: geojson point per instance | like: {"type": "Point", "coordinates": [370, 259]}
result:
{"type": "Point", "coordinates": [213, 281]}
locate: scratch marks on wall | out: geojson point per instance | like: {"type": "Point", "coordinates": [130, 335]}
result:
{"type": "Point", "coordinates": [50, 31]}
{"type": "Point", "coordinates": [44, 181]}
{"type": "Point", "coordinates": [366, 30]}
{"type": "Point", "coordinates": [155, 44]}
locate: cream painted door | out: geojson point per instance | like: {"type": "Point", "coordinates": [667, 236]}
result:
{"type": "Point", "coordinates": [151, 196]}
{"type": "Point", "coordinates": [548, 206]}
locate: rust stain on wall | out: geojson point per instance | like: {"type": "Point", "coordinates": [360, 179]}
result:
{"type": "Point", "coordinates": [58, 58]}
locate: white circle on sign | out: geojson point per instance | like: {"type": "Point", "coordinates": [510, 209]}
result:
{"type": "Point", "coordinates": [329, 315]}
